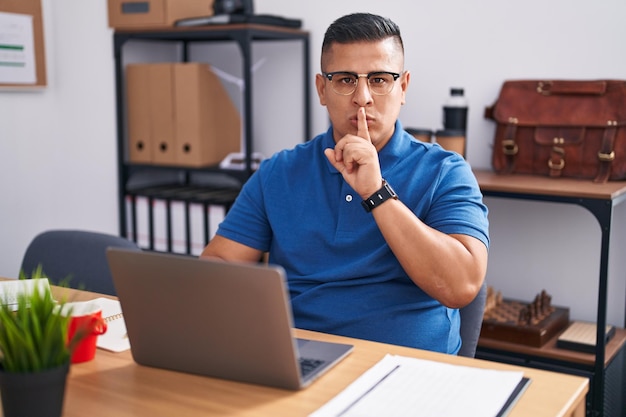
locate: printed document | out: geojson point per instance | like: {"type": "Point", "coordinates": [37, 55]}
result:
{"type": "Point", "coordinates": [400, 386]}
{"type": "Point", "coordinates": [17, 49]}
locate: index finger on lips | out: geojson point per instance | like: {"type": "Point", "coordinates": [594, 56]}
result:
{"type": "Point", "coordinates": [362, 131]}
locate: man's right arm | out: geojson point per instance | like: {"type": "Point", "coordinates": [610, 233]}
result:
{"type": "Point", "coordinates": [229, 250]}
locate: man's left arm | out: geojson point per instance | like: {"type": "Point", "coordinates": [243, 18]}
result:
{"type": "Point", "coordinates": [450, 268]}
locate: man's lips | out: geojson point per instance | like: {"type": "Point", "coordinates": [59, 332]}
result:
{"type": "Point", "coordinates": [355, 122]}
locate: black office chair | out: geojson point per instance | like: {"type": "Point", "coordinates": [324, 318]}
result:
{"type": "Point", "coordinates": [471, 322]}
{"type": "Point", "coordinates": [74, 257]}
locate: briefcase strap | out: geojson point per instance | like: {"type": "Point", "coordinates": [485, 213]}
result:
{"type": "Point", "coordinates": [606, 155]}
{"type": "Point", "coordinates": [509, 147]}
{"type": "Point", "coordinates": [556, 163]}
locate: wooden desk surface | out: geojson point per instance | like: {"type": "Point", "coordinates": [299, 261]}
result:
{"type": "Point", "coordinates": [563, 187]}
{"type": "Point", "coordinates": [112, 384]}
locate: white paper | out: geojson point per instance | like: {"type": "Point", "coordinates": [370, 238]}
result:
{"type": "Point", "coordinates": [11, 290]}
{"type": "Point", "coordinates": [115, 338]}
{"type": "Point", "coordinates": [400, 386]}
{"type": "Point", "coordinates": [17, 49]}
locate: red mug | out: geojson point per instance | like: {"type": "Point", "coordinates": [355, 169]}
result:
{"type": "Point", "coordinates": [87, 318]}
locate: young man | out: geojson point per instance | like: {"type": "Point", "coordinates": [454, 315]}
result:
{"type": "Point", "coordinates": [361, 260]}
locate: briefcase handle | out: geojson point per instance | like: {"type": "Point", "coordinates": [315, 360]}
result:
{"type": "Point", "coordinates": [548, 88]}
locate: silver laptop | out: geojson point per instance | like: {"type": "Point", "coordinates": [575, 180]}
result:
{"type": "Point", "coordinates": [213, 318]}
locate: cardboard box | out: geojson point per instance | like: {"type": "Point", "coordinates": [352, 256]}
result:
{"type": "Point", "coordinates": [179, 114]}
{"type": "Point", "coordinates": [128, 14]}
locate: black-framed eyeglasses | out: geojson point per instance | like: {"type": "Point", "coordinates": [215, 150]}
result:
{"type": "Point", "coordinates": [345, 83]}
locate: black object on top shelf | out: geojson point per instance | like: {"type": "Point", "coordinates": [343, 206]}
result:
{"type": "Point", "coordinates": [233, 7]}
{"type": "Point", "coordinates": [261, 19]}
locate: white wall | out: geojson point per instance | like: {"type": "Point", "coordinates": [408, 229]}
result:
{"type": "Point", "coordinates": [57, 146]}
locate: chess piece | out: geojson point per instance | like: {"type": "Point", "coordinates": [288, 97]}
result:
{"type": "Point", "coordinates": [524, 316]}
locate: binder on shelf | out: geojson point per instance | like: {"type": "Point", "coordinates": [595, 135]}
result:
{"type": "Point", "coordinates": [170, 217]}
{"type": "Point", "coordinates": [150, 113]}
{"type": "Point", "coordinates": [187, 221]}
{"type": "Point", "coordinates": [216, 215]}
{"type": "Point", "coordinates": [179, 218]}
{"type": "Point", "coordinates": [138, 104]}
{"type": "Point", "coordinates": [151, 216]}
{"type": "Point", "coordinates": [159, 224]}
{"type": "Point", "coordinates": [196, 222]}
{"type": "Point", "coordinates": [206, 207]}
{"type": "Point", "coordinates": [142, 206]}
{"type": "Point", "coordinates": [178, 221]}
{"type": "Point", "coordinates": [208, 126]}
{"type": "Point", "coordinates": [129, 207]}
{"type": "Point", "coordinates": [162, 114]}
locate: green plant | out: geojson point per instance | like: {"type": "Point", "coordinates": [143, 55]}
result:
{"type": "Point", "coordinates": [34, 337]}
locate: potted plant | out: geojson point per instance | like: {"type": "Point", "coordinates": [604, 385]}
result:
{"type": "Point", "coordinates": [34, 353]}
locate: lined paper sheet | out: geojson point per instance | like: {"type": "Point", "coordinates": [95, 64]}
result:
{"type": "Point", "coordinates": [399, 386]}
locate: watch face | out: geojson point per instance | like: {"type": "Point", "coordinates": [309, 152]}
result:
{"type": "Point", "coordinates": [392, 193]}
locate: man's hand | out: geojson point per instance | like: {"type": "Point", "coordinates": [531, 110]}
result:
{"type": "Point", "coordinates": [357, 159]}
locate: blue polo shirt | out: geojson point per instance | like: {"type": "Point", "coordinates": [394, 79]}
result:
{"type": "Point", "coordinates": [343, 277]}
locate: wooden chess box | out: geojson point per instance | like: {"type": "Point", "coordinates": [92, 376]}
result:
{"type": "Point", "coordinates": [505, 322]}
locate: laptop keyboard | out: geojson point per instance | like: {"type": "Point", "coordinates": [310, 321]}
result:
{"type": "Point", "coordinates": [308, 365]}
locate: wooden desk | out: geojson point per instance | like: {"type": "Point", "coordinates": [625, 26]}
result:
{"type": "Point", "coordinates": [599, 200]}
{"type": "Point", "coordinates": [113, 385]}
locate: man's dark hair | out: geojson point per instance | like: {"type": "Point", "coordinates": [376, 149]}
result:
{"type": "Point", "coordinates": [361, 27]}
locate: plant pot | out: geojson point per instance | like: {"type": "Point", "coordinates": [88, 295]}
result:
{"type": "Point", "coordinates": [38, 394]}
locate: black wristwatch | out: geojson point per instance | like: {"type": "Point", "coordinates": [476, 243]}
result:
{"type": "Point", "coordinates": [379, 197]}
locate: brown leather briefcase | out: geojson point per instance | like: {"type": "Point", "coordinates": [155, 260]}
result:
{"type": "Point", "coordinates": [561, 128]}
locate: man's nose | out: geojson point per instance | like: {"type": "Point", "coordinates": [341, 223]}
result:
{"type": "Point", "coordinates": [362, 95]}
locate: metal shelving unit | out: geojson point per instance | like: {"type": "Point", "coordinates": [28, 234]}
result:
{"type": "Point", "coordinates": [244, 35]}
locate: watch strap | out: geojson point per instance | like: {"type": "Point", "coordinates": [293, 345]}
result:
{"type": "Point", "coordinates": [379, 197]}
